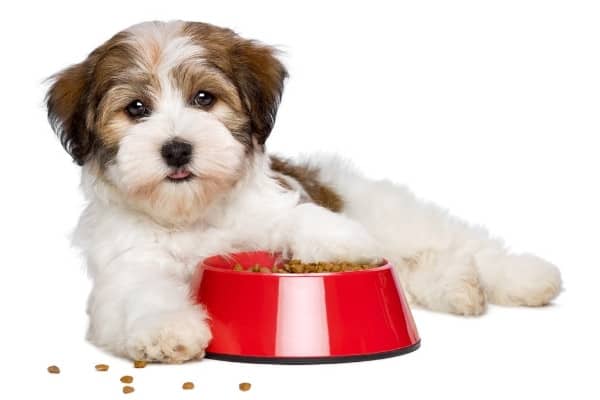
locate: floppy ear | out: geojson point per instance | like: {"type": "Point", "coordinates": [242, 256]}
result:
{"type": "Point", "coordinates": [259, 76]}
{"type": "Point", "coordinates": [67, 108]}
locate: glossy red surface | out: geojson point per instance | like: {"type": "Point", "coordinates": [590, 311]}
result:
{"type": "Point", "coordinates": [343, 314]}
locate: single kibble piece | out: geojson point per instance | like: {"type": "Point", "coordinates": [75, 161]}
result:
{"type": "Point", "coordinates": [127, 379]}
{"type": "Point", "coordinates": [265, 270]}
{"type": "Point", "coordinates": [188, 385]}
{"type": "Point", "coordinates": [101, 367]}
{"type": "Point", "coordinates": [238, 267]}
{"type": "Point", "coordinates": [53, 369]}
{"type": "Point", "coordinates": [139, 364]}
{"type": "Point", "coordinates": [128, 389]}
{"type": "Point", "coordinates": [245, 386]}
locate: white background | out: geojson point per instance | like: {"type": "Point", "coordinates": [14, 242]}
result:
{"type": "Point", "coordinates": [488, 108]}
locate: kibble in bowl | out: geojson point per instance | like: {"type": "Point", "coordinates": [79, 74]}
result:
{"type": "Point", "coordinates": [298, 267]}
{"type": "Point", "coordinates": [302, 312]}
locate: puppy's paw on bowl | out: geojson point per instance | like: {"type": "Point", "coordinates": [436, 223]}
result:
{"type": "Point", "coordinates": [349, 242]}
{"type": "Point", "coordinates": [169, 337]}
{"type": "Point", "coordinates": [314, 234]}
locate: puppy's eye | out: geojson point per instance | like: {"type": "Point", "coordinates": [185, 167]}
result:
{"type": "Point", "coordinates": [137, 109]}
{"type": "Point", "coordinates": [203, 99]}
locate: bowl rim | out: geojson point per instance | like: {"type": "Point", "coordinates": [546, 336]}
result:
{"type": "Point", "coordinates": [385, 265]}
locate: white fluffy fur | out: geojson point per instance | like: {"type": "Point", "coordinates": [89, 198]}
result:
{"type": "Point", "coordinates": [141, 266]}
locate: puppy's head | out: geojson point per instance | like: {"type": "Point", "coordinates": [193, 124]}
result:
{"type": "Point", "coordinates": [168, 114]}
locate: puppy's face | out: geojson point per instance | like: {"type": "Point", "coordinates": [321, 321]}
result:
{"type": "Point", "coordinates": [168, 114]}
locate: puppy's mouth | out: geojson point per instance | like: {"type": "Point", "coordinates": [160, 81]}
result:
{"type": "Point", "coordinates": [180, 175]}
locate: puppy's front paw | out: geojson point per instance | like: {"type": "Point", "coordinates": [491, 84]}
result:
{"type": "Point", "coordinates": [339, 241]}
{"type": "Point", "coordinates": [352, 247]}
{"type": "Point", "coordinates": [170, 337]}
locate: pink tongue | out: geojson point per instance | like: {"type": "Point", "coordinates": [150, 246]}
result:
{"type": "Point", "coordinates": [179, 174]}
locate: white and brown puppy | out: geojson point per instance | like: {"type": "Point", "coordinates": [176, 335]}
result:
{"type": "Point", "coordinates": [169, 121]}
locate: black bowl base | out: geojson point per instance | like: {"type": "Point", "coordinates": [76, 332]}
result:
{"type": "Point", "coordinates": [313, 360]}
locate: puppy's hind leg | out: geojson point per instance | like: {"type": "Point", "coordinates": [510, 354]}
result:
{"type": "Point", "coordinates": [517, 279]}
{"type": "Point", "coordinates": [444, 281]}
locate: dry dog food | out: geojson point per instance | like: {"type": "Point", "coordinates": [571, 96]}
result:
{"type": "Point", "coordinates": [128, 389]}
{"type": "Point", "coordinates": [298, 267]}
{"type": "Point", "coordinates": [101, 367]}
{"type": "Point", "coordinates": [245, 386]}
{"type": "Point", "coordinates": [128, 379]}
{"type": "Point", "coordinates": [53, 369]}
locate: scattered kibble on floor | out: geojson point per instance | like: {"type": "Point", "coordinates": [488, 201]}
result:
{"type": "Point", "coordinates": [101, 367]}
{"type": "Point", "coordinates": [53, 369]}
{"type": "Point", "coordinates": [127, 379]}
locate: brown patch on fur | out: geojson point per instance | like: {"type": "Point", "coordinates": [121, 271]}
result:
{"type": "Point", "coordinates": [76, 100]}
{"type": "Point", "coordinates": [86, 102]}
{"type": "Point", "coordinates": [120, 76]}
{"type": "Point", "coordinates": [237, 123]}
{"type": "Point", "coordinates": [252, 67]}
{"type": "Point", "coordinates": [65, 111]}
{"type": "Point", "coordinates": [307, 177]}
{"type": "Point", "coordinates": [282, 182]}
{"type": "Point", "coordinates": [110, 109]}
{"type": "Point", "coordinates": [154, 52]}
{"type": "Point", "coordinates": [193, 76]}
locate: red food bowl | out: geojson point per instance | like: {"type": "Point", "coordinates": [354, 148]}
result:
{"type": "Point", "coordinates": [302, 318]}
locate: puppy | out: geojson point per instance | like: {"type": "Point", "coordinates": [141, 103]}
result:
{"type": "Point", "coordinates": [169, 123]}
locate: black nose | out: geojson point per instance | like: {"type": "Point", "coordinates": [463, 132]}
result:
{"type": "Point", "coordinates": [176, 153]}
